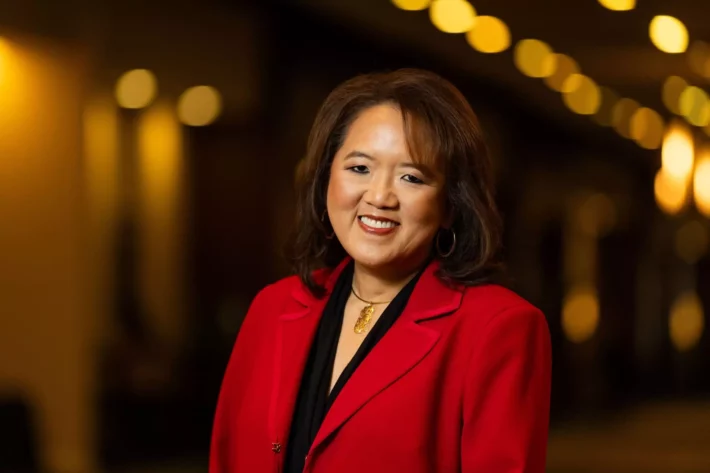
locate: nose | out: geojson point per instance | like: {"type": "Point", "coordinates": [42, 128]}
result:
{"type": "Point", "coordinates": [381, 193]}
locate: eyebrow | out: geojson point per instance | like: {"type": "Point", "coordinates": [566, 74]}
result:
{"type": "Point", "coordinates": [361, 154]}
{"type": "Point", "coordinates": [428, 172]}
{"type": "Point", "coordinates": [358, 154]}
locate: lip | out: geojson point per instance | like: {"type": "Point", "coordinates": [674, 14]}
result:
{"type": "Point", "coordinates": [377, 231]}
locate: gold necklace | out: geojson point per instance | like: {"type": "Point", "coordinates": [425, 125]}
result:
{"type": "Point", "coordinates": [365, 314]}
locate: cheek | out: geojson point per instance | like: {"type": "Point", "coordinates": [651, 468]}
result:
{"type": "Point", "coordinates": [424, 210]}
{"type": "Point", "coordinates": [342, 194]}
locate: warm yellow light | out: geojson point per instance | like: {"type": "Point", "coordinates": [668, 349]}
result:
{"type": "Point", "coordinates": [678, 152]}
{"type": "Point", "coordinates": [670, 192]}
{"type": "Point", "coordinates": [691, 241]}
{"type": "Point", "coordinates": [621, 115]}
{"type": "Point", "coordinates": [672, 88]}
{"type": "Point", "coordinates": [199, 106]}
{"type": "Point", "coordinates": [160, 161]}
{"type": "Point", "coordinates": [101, 136]}
{"type": "Point", "coordinates": [534, 58]}
{"type": "Point", "coordinates": [412, 5]}
{"type": "Point", "coordinates": [580, 314]}
{"type": "Point", "coordinates": [452, 16]}
{"type": "Point", "coordinates": [668, 34]}
{"type": "Point", "coordinates": [647, 128]}
{"type": "Point", "coordinates": [686, 322]}
{"type": "Point", "coordinates": [604, 115]}
{"type": "Point", "coordinates": [618, 5]}
{"type": "Point", "coordinates": [581, 94]}
{"type": "Point", "coordinates": [136, 89]}
{"type": "Point", "coordinates": [489, 35]}
{"type": "Point", "coordinates": [701, 184]}
{"type": "Point", "coordinates": [565, 67]}
{"type": "Point", "coordinates": [694, 105]}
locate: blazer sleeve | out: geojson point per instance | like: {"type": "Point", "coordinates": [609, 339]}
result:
{"type": "Point", "coordinates": [229, 397]}
{"type": "Point", "coordinates": [507, 395]}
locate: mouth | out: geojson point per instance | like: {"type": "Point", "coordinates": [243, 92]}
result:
{"type": "Point", "coordinates": [377, 225]}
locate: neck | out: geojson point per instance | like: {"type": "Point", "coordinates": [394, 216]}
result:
{"type": "Point", "coordinates": [380, 286]}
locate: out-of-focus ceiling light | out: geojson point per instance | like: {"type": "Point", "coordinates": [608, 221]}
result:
{"type": "Point", "coordinates": [618, 5]}
{"type": "Point", "coordinates": [452, 16]}
{"type": "Point", "coordinates": [489, 35]}
{"type": "Point", "coordinates": [668, 34]}
{"type": "Point", "coordinates": [535, 58]}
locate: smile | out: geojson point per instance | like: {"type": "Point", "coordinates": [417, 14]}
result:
{"type": "Point", "coordinates": [377, 225]}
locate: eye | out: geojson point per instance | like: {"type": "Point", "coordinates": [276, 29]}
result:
{"type": "Point", "coordinates": [412, 179]}
{"type": "Point", "coordinates": [360, 169]}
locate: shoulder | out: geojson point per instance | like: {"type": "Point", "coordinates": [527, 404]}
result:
{"type": "Point", "coordinates": [492, 302]}
{"type": "Point", "coordinates": [278, 290]}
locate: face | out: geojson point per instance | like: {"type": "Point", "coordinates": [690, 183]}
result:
{"type": "Point", "coordinates": [384, 209]}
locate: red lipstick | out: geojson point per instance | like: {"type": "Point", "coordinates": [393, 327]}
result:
{"type": "Point", "coordinates": [377, 225]}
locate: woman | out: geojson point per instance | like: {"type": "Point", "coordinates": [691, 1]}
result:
{"type": "Point", "coordinates": [391, 350]}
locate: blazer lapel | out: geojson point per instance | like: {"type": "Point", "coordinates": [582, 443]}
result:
{"type": "Point", "coordinates": [295, 331]}
{"type": "Point", "coordinates": [404, 345]}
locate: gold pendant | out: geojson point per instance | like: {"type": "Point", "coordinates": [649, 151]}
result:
{"type": "Point", "coordinates": [364, 320]}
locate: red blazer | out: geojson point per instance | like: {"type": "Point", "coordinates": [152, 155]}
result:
{"type": "Point", "coordinates": [460, 383]}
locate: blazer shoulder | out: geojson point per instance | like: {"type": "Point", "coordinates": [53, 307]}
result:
{"type": "Point", "coordinates": [279, 289]}
{"type": "Point", "coordinates": [489, 300]}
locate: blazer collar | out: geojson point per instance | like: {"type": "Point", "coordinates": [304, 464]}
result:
{"type": "Point", "coordinates": [431, 296]}
{"type": "Point", "coordinates": [404, 346]}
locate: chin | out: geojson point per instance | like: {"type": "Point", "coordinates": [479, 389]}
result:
{"type": "Point", "coordinates": [372, 261]}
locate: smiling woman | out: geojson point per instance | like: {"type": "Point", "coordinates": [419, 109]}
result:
{"type": "Point", "coordinates": [391, 349]}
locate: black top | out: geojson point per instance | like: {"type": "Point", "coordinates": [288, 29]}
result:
{"type": "Point", "coordinates": [313, 399]}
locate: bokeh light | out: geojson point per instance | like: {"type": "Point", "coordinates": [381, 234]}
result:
{"type": "Point", "coordinates": [701, 183]}
{"type": "Point", "coordinates": [618, 5]}
{"type": "Point", "coordinates": [581, 94]}
{"type": "Point", "coordinates": [678, 152]}
{"type": "Point", "coordinates": [580, 314]}
{"type": "Point", "coordinates": [452, 16]}
{"type": "Point", "coordinates": [412, 5]}
{"type": "Point", "coordinates": [670, 192]}
{"type": "Point", "coordinates": [647, 128]}
{"type": "Point", "coordinates": [668, 34]}
{"type": "Point", "coordinates": [694, 105]}
{"type": "Point", "coordinates": [534, 58]}
{"type": "Point", "coordinates": [136, 89]}
{"type": "Point", "coordinates": [199, 106]}
{"type": "Point", "coordinates": [673, 87]}
{"type": "Point", "coordinates": [489, 35]}
{"type": "Point", "coordinates": [565, 67]}
{"type": "Point", "coordinates": [621, 115]}
{"type": "Point", "coordinates": [686, 322]}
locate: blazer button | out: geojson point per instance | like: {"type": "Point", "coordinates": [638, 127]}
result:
{"type": "Point", "coordinates": [276, 447]}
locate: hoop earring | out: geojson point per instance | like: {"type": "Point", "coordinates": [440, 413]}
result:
{"type": "Point", "coordinates": [322, 220]}
{"type": "Point", "coordinates": [453, 245]}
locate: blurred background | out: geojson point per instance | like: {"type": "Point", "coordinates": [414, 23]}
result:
{"type": "Point", "coordinates": [147, 158]}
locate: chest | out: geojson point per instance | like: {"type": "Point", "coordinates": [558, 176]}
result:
{"type": "Point", "coordinates": [349, 341]}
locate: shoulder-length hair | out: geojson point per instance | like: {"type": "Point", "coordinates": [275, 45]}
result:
{"type": "Point", "coordinates": [441, 130]}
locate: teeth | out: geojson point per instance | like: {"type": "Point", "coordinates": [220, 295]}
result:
{"type": "Point", "coordinates": [377, 223]}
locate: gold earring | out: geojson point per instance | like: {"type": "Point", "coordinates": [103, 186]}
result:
{"type": "Point", "coordinates": [453, 244]}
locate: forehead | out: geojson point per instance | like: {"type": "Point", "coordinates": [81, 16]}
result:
{"type": "Point", "coordinates": [384, 129]}
{"type": "Point", "coordinates": [379, 128]}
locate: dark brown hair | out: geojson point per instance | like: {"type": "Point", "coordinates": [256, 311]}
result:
{"type": "Point", "coordinates": [441, 129]}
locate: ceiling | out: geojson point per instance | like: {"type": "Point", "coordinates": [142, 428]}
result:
{"type": "Point", "coordinates": [611, 47]}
